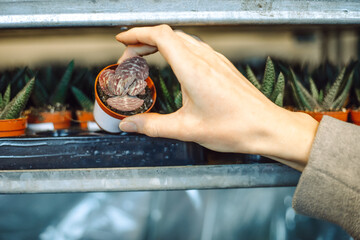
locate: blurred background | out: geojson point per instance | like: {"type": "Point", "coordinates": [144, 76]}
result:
{"type": "Point", "coordinates": [97, 46]}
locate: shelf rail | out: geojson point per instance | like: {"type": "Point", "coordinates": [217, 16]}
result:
{"type": "Point", "coordinates": [94, 13]}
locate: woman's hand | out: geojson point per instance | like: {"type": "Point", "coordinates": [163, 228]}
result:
{"type": "Point", "coordinates": [221, 109]}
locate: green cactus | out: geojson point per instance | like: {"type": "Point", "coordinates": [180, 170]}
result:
{"type": "Point", "coordinates": [6, 97]}
{"type": "Point", "coordinates": [169, 95]}
{"type": "Point", "coordinates": [252, 78]}
{"type": "Point", "coordinates": [14, 108]}
{"type": "Point", "coordinates": [335, 94]}
{"type": "Point", "coordinates": [85, 102]}
{"type": "Point", "coordinates": [178, 99]}
{"type": "Point", "coordinates": [168, 101]}
{"type": "Point", "coordinates": [274, 90]}
{"type": "Point", "coordinates": [268, 82]}
{"type": "Point", "coordinates": [61, 89]}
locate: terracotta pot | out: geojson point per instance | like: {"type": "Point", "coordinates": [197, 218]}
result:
{"type": "Point", "coordinates": [12, 127]}
{"type": "Point", "coordinates": [343, 116]}
{"type": "Point", "coordinates": [84, 117]}
{"type": "Point", "coordinates": [60, 119]}
{"type": "Point", "coordinates": [355, 116]}
{"type": "Point", "coordinates": [107, 119]}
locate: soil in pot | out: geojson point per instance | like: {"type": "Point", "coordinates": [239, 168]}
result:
{"type": "Point", "coordinates": [147, 97]}
{"type": "Point", "coordinates": [12, 127]}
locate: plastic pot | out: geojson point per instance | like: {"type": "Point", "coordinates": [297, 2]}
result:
{"type": "Point", "coordinates": [84, 117]}
{"type": "Point", "coordinates": [355, 116]}
{"type": "Point", "coordinates": [340, 115]}
{"type": "Point", "coordinates": [12, 127]}
{"type": "Point", "coordinates": [45, 121]}
{"type": "Point", "coordinates": [107, 119]}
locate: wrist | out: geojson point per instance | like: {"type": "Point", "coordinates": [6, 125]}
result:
{"type": "Point", "coordinates": [291, 137]}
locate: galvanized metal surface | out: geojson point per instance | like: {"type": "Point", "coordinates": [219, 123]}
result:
{"type": "Point", "coordinates": [151, 178]}
{"type": "Point", "coordinates": [67, 13]}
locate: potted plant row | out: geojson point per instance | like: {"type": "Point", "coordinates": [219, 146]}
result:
{"type": "Point", "coordinates": [323, 91]}
{"type": "Point", "coordinates": [113, 89]}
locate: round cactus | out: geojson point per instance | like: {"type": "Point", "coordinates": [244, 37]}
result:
{"type": "Point", "coordinates": [123, 84]}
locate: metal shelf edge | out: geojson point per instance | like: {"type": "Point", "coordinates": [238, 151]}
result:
{"type": "Point", "coordinates": [148, 178]}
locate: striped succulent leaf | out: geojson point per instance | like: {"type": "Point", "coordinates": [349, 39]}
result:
{"type": "Point", "coordinates": [297, 100]}
{"type": "Point", "coordinates": [18, 103]}
{"type": "Point", "coordinates": [85, 103]}
{"type": "Point", "coordinates": [166, 95]}
{"type": "Point", "coordinates": [178, 99]}
{"type": "Point", "coordinates": [60, 93]}
{"type": "Point", "coordinates": [279, 100]}
{"type": "Point", "coordinates": [251, 77]}
{"type": "Point", "coordinates": [333, 90]}
{"type": "Point", "coordinates": [6, 97]}
{"type": "Point", "coordinates": [340, 100]}
{"type": "Point", "coordinates": [313, 89]}
{"type": "Point", "coordinates": [308, 102]}
{"type": "Point", "coordinates": [267, 85]}
{"type": "Point", "coordinates": [279, 88]}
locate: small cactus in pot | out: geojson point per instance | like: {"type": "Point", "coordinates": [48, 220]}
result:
{"type": "Point", "coordinates": [124, 89]}
{"type": "Point", "coordinates": [329, 100]}
{"type": "Point", "coordinates": [12, 123]}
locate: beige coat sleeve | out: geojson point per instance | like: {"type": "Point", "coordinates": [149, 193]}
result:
{"type": "Point", "coordinates": [329, 187]}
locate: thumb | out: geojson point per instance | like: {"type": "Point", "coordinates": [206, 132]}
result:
{"type": "Point", "coordinates": [153, 125]}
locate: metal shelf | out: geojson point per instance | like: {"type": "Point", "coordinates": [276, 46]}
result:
{"type": "Point", "coordinates": [68, 13]}
{"type": "Point", "coordinates": [74, 161]}
{"type": "Point", "coordinates": [148, 178]}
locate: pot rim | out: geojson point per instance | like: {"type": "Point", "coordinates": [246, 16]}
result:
{"type": "Point", "coordinates": [149, 82]}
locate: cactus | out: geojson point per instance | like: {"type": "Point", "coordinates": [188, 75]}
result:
{"type": "Point", "coordinates": [331, 98]}
{"type": "Point", "coordinates": [14, 108]}
{"type": "Point", "coordinates": [123, 84]}
{"type": "Point", "coordinates": [85, 103]}
{"type": "Point", "coordinates": [61, 89]}
{"type": "Point", "coordinates": [6, 98]}
{"type": "Point", "coordinates": [271, 89]}
{"type": "Point", "coordinates": [168, 91]}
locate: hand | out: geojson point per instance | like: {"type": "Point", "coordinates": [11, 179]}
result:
{"type": "Point", "coordinates": [221, 109]}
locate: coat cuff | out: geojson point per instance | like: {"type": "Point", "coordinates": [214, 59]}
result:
{"type": "Point", "coordinates": [329, 187]}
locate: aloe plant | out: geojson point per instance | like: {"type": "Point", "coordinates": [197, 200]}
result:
{"type": "Point", "coordinates": [270, 87]}
{"type": "Point", "coordinates": [50, 93]}
{"type": "Point", "coordinates": [85, 102]}
{"type": "Point", "coordinates": [13, 109]}
{"type": "Point", "coordinates": [332, 97]}
{"type": "Point", "coordinates": [168, 88]}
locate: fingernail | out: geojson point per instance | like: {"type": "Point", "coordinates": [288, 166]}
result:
{"type": "Point", "coordinates": [128, 126]}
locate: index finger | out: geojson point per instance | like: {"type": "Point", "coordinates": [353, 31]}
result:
{"type": "Point", "coordinates": [162, 37]}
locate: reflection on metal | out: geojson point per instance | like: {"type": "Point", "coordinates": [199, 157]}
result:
{"type": "Point", "coordinates": [67, 13]}
{"type": "Point", "coordinates": [148, 178]}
